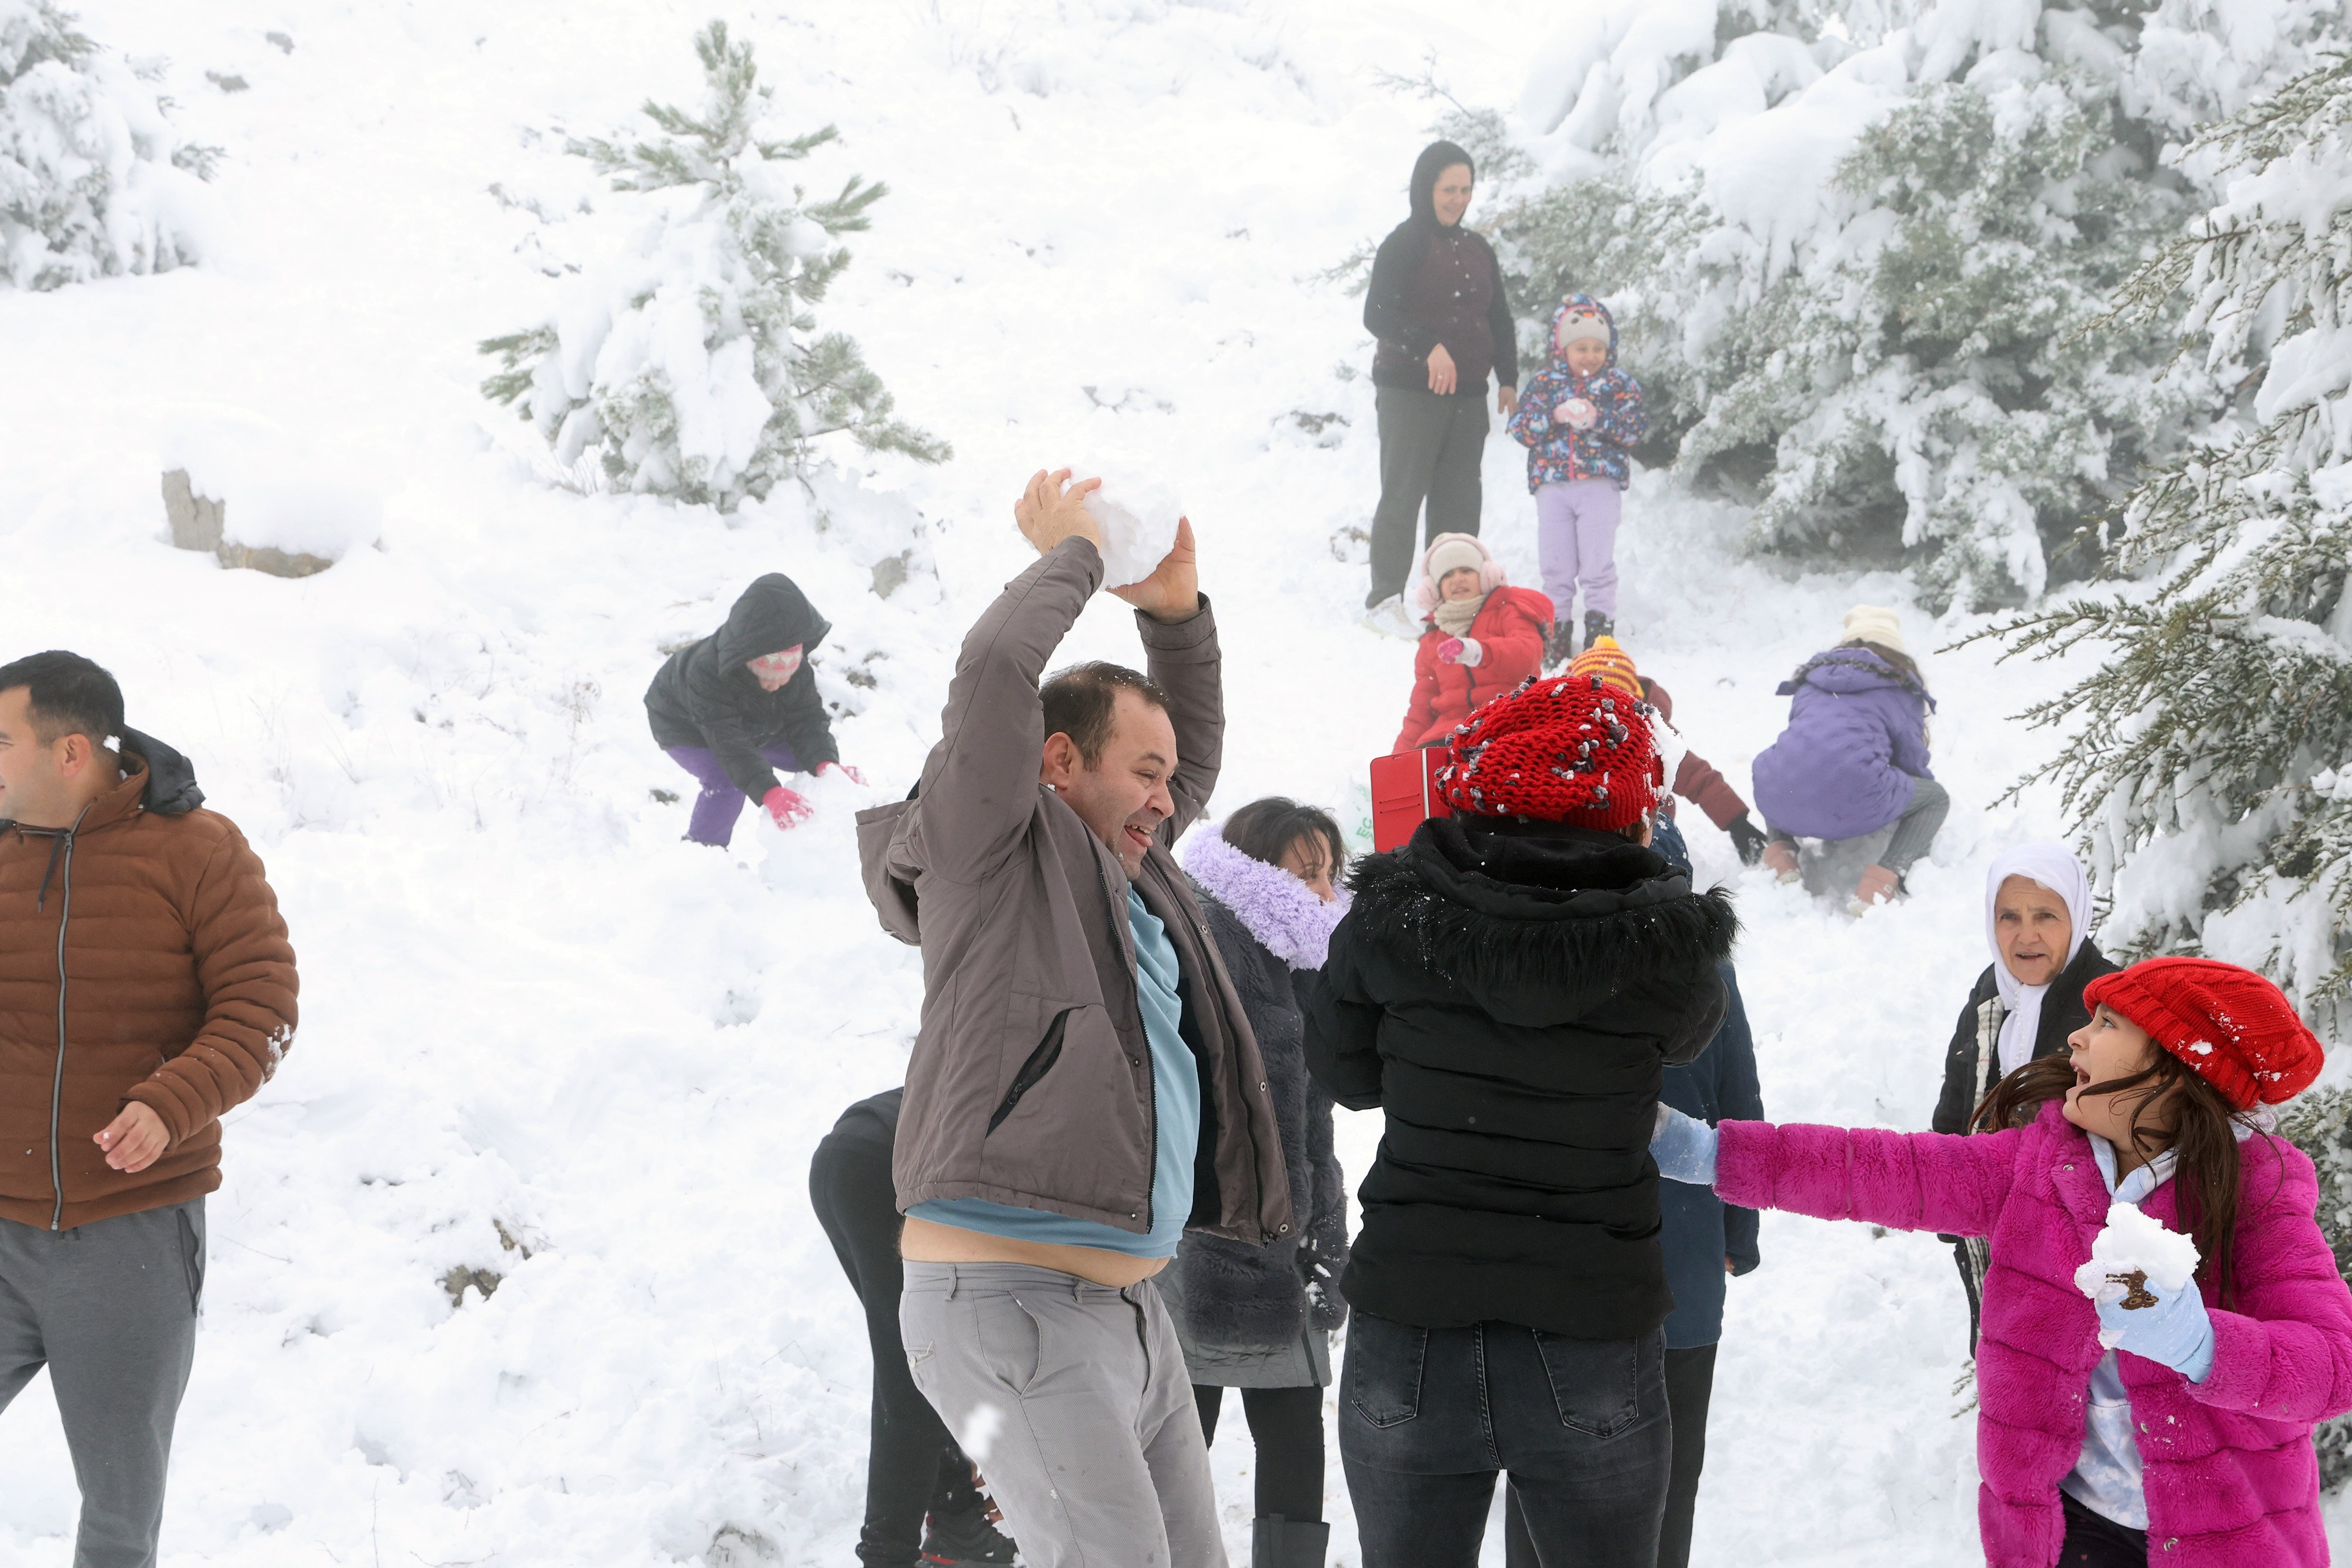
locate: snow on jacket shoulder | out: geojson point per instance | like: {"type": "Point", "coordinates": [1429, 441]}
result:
{"type": "Point", "coordinates": [184, 1003]}
{"type": "Point", "coordinates": [1509, 996]}
{"type": "Point", "coordinates": [1029, 1083]}
{"type": "Point", "coordinates": [1856, 738]}
{"type": "Point", "coordinates": [1509, 630]}
{"type": "Point", "coordinates": [703, 695]}
{"type": "Point", "coordinates": [2230, 1478]}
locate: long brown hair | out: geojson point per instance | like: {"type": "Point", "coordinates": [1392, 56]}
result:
{"type": "Point", "coordinates": [2203, 1132]}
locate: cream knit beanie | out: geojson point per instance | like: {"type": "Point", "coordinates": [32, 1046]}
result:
{"type": "Point", "coordinates": [1875, 623]}
{"type": "Point", "coordinates": [1452, 555]}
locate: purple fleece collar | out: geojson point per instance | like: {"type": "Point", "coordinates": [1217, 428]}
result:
{"type": "Point", "coordinates": [1276, 908]}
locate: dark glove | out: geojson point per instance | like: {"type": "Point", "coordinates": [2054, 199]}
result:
{"type": "Point", "coordinates": [1746, 838]}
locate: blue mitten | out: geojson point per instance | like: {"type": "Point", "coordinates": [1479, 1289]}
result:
{"type": "Point", "coordinates": [2174, 1330]}
{"type": "Point", "coordinates": [1683, 1147]}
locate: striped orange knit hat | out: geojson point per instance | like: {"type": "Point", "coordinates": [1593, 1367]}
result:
{"type": "Point", "coordinates": [1611, 662]}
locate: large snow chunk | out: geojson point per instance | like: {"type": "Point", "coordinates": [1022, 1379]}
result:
{"type": "Point", "coordinates": [2134, 1243]}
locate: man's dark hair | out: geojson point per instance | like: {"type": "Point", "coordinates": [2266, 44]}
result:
{"type": "Point", "coordinates": [70, 695]}
{"type": "Point", "coordinates": [1081, 702]}
{"type": "Point", "coordinates": [1266, 830]}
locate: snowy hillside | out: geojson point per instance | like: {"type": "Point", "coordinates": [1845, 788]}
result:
{"type": "Point", "coordinates": [542, 1038]}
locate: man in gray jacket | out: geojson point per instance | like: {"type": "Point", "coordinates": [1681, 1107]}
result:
{"type": "Point", "coordinates": [1085, 1087]}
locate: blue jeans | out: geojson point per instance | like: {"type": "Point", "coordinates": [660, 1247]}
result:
{"type": "Point", "coordinates": [1428, 1417]}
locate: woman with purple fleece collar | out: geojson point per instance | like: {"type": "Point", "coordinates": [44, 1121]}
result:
{"type": "Point", "coordinates": [1259, 1319]}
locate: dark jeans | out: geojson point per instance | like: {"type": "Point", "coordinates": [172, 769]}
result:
{"type": "Point", "coordinates": [1429, 1416]}
{"type": "Point", "coordinates": [2094, 1541]}
{"type": "Point", "coordinates": [1430, 450]}
{"type": "Point", "coordinates": [1690, 1385]}
{"type": "Point", "coordinates": [1287, 1424]}
{"type": "Point", "coordinates": [716, 808]}
{"type": "Point", "coordinates": [912, 1467]}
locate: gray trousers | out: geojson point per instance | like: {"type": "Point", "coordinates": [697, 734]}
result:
{"type": "Point", "coordinates": [111, 1309]}
{"type": "Point", "coordinates": [1431, 447]}
{"type": "Point", "coordinates": [1073, 1400]}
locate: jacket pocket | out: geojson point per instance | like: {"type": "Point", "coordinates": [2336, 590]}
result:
{"type": "Point", "coordinates": [1606, 1387]}
{"type": "Point", "coordinates": [1040, 1062]}
{"type": "Point", "coordinates": [1385, 1366]}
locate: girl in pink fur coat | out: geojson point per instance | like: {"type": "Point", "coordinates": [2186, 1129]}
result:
{"type": "Point", "coordinates": [2141, 1425]}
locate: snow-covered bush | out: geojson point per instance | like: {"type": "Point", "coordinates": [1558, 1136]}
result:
{"type": "Point", "coordinates": [2213, 768]}
{"type": "Point", "coordinates": [1857, 247]}
{"type": "Point", "coordinates": [94, 180]}
{"type": "Point", "coordinates": [691, 366]}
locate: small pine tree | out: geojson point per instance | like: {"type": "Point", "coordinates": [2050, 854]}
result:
{"type": "Point", "coordinates": [696, 372]}
{"type": "Point", "coordinates": [2210, 768]}
{"type": "Point", "coordinates": [2319, 1122]}
{"type": "Point", "coordinates": [94, 181]}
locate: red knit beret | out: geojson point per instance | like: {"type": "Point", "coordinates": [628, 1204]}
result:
{"type": "Point", "coordinates": [1573, 748]}
{"type": "Point", "coordinates": [2234, 1028]}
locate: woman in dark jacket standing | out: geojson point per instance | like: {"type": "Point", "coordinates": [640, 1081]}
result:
{"type": "Point", "coordinates": [2024, 1005]}
{"type": "Point", "coordinates": [1436, 307]}
{"type": "Point", "coordinates": [1259, 1319]}
{"type": "Point", "coordinates": [741, 704]}
{"type": "Point", "coordinates": [1509, 989]}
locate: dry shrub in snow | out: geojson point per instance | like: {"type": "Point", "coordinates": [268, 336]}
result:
{"type": "Point", "coordinates": [94, 180]}
{"type": "Point", "coordinates": [691, 366]}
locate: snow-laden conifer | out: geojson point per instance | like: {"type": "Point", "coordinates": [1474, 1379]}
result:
{"type": "Point", "coordinates": [2211, 767]}
{"type": "Point", "coordinates": [1858, 247]}
{"type": "Point", "coordinates": [691, 367]}
{"type": "Point", "coordinates": [94, 179]}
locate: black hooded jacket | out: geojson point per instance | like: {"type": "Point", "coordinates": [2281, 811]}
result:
{"type": "Point", "coordinates": [1434, 285]}
{"type": "Point", "coordinates": [1510, 995]}
{"type": "Point", "coordinates": [705, 697]}
{"type": "Point", "coordinates": [2062, 1012]}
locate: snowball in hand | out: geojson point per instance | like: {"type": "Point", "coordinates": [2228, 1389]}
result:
{"type": "Point", "coordinates": [1137, 520]}
{"type": "Point", "coordinates": [2134, 1243]}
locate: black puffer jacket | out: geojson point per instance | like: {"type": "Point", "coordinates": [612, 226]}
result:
{"type": "Point", "coordinates": [1510, 995]}
{"type": "Point", "coordinates": [705, 697]}
{"type": "Point", "coordinates": [1236, 1295]}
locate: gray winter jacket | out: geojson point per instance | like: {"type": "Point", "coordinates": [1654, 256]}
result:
{"type": "Point", "coordinates": [1031, 1081]}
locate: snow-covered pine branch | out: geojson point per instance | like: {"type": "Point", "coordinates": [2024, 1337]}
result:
{"type": "Point", "coordinates": [94, 179]}
{"type": "Point", "coordinates": [2212, 770]}
{"type": "Point", "coordinates": [692, 366]}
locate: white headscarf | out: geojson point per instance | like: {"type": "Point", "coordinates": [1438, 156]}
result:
{"type": "Point", "coordinates": [2053, 866]}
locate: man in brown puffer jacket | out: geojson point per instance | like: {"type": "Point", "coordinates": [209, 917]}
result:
{"type": "Point", "coordinates": [146, 986]}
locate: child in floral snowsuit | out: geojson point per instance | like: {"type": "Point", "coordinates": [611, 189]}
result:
{"type": "Point", "coordinates": [1576, 418]}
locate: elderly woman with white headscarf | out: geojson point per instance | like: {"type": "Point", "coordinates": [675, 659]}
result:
{"type": "Point", "coordinates": [2028, 1000]}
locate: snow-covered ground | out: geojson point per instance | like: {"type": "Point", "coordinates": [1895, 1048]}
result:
{"type": "Point", "coordinates": [533, 1020]}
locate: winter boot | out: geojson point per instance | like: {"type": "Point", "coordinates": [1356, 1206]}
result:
{"type": "Point", "coordinates": [1279, 1543]}
{"type": "Point", "coordinates": [952, 1539]}
{"type": "Point", "coordinates": [1560, 644]}
{"type": "Point", "coordinates": [1597, 626]}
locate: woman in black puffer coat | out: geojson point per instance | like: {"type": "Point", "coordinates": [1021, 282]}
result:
{"type": "Point", "coordinates": [1259, 1319]}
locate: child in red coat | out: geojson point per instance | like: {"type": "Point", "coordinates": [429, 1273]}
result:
{"type": "Point", "coordinates": [1485, 637]}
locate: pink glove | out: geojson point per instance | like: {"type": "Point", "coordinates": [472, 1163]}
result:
{"type": "Point", "coordinates": [853, 776]}
{"type": "Point", "coordinates": [789, 809]}
{"type": "Point", "coordinates": [1579, 412]}
{"type": "Point", "coordinates": [1460, 651]}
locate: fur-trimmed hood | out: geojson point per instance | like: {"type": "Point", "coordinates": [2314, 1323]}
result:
{"type": "Point", "coordinates": [1287, 918]}
{"type": "Point", "coordinates": [1542, 923]}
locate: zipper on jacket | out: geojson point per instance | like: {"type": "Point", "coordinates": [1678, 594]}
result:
{"type": "Point", "coordinates": [1111, 902]}
{"type": "Point", "coordinates": [58, 1080]}
{"type": "Point", "coordinates": [1041, 1061]}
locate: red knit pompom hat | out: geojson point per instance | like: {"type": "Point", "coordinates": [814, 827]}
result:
{"type": "Point", "coordinates": [1573, 748]}
{"type": "Point", "coordinates": [2234, 1028]}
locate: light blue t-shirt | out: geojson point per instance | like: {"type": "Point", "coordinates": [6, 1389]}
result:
{"type": "Point", "coordinates": [1176, 1105]}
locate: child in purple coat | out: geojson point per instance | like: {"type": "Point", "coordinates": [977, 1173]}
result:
{"type": "Point", "coordinates": [1576, 418]}
{"type": "Point", "coordinates": [2123, 1417]}
{"type": "Point", "coordinates": [1853, 758]}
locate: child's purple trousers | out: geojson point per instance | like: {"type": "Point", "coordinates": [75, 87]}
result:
{"type": "Point", "coordinates": [716, 808]}
{"type": "Point", "coordinates": [1576, 542]}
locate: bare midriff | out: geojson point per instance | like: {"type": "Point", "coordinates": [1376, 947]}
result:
{"type": "Point", "coordinates": [927, 1241]}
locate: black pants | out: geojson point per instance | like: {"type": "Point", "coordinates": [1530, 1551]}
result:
{"type": "Point", "coordinates": [1429, 1416]}
{"type": "Point", "coordinates": [1690, 1385]}
{"type": "Point", "coordinates": [1431, 447]}
{"type": "Point", "coordinates": [912, 1467]}
{"type": "Point", "coordinates": [1287, 1424]}
{"type": "Point", "coordinates": [2094, 1541]}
